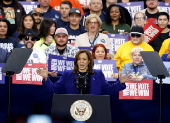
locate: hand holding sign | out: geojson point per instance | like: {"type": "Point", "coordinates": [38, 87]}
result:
{"type": "Point", "coordinates": [126, 78]}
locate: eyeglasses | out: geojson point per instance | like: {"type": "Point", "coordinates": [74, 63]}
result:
{"type": "Point", "coordinates": [95, 23]}
{"type": "Point", "coordinates": [135, 35]}
{"type": "Point", "coordinates": [137, 18]}
{"type": "Point", "coordinates": [29, 38]}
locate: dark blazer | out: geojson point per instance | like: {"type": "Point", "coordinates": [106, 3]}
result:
{"type": "Point", "coordinates": [99, 86]}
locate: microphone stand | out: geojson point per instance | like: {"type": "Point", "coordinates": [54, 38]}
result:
{"type": "Point", "coordinates": [10, 73]}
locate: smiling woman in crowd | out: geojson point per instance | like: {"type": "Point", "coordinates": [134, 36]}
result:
{"type": "Point", "coordinates": [27, 22]}
{"type": "Point", "coordinates": [7, 42]}
{"type": "Point", "coordinates": [115, 21]}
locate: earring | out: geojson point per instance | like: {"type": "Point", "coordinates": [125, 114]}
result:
{"type": "Point", "coordinates": [120, 16]}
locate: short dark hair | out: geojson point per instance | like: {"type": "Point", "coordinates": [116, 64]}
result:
{"type": "Point", "coordinates": [90, 65]}
{"type": "Point", "coordinates": [109, 20]}
{"type": "Point", "coordinates": [66, 2]}
{"type": "Point", "coordinates": [162, 13]}
{"type": "Point", "coordinates": [45, 26]}
{"type": "Point", "coordinates": [8, 26]}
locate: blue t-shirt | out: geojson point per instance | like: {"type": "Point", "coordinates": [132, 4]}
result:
{"type": "Point", "coordinates": [8, 43]}
{"type": "Point", "coordinates": [4, 55]}
{"type": "Point", "coordinates": [61, 23]}
{"type": "Point", "coordinates": [74, 33]}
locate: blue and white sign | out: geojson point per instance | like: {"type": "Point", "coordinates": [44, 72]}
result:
{"type": "Point", "coordinates": [2, 77]}
{"type": "Point", "coordinates": [29, 6]}
{"type": "Point", "coordinates": [108, 67]}
{"type": "Point", "coordinates": [133, 7]}
{"type": "Point", "coordinates": [116, 40]}
{"type": "Point", "coordinates": [60, 63]}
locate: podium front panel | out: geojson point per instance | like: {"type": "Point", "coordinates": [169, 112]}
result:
{"type": "Point", "coordinates": [100, 107]}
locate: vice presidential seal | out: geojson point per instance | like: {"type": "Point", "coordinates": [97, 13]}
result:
{"type": "Point", "coordinates": [81, 110]}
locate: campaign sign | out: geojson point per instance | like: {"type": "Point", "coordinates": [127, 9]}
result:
{"type": "Point", "coordinates": [60, 63]}
{"type": "Point", "coordinates": [138, 90]}
{"type": "Point", "coordinates": [167, 79]}
{"type": "Point", "coordinates": [116, 40]}
{"type": "Point", "coordinates": [133, 7]}
{"type": "Point", "coordinates": [2, 77]}
{"type": "Point", "coordinates": [151, 31]}
{"type": "Point", "coordinates": [108, 67]}
{"type": "Point", "coordinates": [165, 7]}
{"type": "Point", "coordinates": [29, 6]}
{"type": "Point", "coordinates": [29, 75]}
{"type": "Point", "coordinates": [84, 2]}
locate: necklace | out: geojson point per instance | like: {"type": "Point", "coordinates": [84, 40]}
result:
{"type": "Point", "coordinates": [114, 27]}
{"type": "Point", "coordinates": [81, 76]}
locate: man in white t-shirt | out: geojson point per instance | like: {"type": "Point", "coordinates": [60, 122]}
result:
{"type": "Point", "coordinates": [29, 37]}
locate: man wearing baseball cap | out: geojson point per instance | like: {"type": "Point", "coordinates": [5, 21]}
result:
{"type": "Point", "coordinates": [74, 28]}
{"type": "Point", "coordinates": [61, 48]}
{"type": "Point", "coordinates": [123, 52]}
{"type": "Point", "coordinates": [38, 16]}
{"type": "Point", "coordinates": [29, 37]}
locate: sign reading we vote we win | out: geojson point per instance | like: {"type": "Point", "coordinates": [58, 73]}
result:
{"type": "Point", "coordinates": [29, 75]}
{"type": "Point", "coordinates": [60, 63]}
{"type": "Point", "coordinates": [142, 90]}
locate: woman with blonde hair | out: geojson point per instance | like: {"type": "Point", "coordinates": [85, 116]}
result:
{"type": "Point", "coordinates": [137, 68]}
{"type": "Point", "coordinates": [92, 36]}
{"type": "Point", "coordinates": [139, 19]}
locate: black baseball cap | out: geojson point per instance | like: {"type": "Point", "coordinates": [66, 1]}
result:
{"type": "Point", "coordinates": [29, 32]}
{"type": "Point", "coordinates": [137, 29]}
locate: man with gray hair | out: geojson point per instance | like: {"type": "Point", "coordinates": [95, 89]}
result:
{"type": "Point", "coordinates": [122, 55]}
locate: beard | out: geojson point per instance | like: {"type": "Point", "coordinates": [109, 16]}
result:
{"type": "Point", "coordinates": [135, 41]}
{"type": "Point", "coordinates": [61, 45]}
{"type": "Point", "coordinates": [29, 45]}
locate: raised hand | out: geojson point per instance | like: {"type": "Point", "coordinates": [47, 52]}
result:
{"type": "Point", "coordinates": [125, 78]}
{"type": "Point", "coordinates": [48, 40]}
{"type": "Point", "coordinates": [43, 73]}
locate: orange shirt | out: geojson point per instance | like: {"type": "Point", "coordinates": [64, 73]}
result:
{"type": "Point", "coordinates": [55, 4]}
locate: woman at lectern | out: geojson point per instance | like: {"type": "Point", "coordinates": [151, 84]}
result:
{"type": "Point", "coordinates": [137, 68]}
{"type": "Point", "coordinates": [83, 79]}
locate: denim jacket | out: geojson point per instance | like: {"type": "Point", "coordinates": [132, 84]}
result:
{"type": "Point", "coordinates": [142, 69]}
